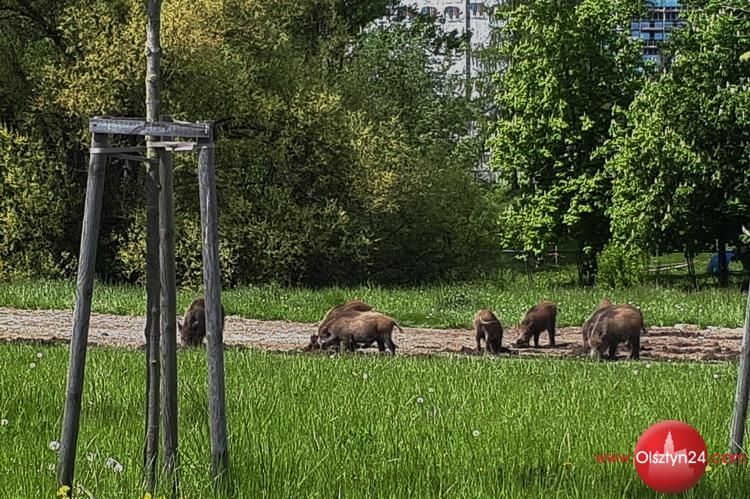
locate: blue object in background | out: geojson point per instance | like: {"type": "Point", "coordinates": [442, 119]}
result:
{"type": "Point", "coordinates": [713, 264]}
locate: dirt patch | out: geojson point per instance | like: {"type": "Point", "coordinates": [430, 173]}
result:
{"type": "Point", "coordinates": [681, 342]}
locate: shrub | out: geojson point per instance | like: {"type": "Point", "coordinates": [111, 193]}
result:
{"type": "Point", "coordinates": [621, 266]}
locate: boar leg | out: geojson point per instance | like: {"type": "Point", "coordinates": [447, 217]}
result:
{"type": "Point", "coordinates": [536, 338]}
{"type": "Point", "coordinates": [479, 341]}
{"type": "Point", "coordinates": [613, 351]}
{"type": "Point", "coordinates": [346, 345]}
{"type": "Point", "coordinates": [390, 345]}
{"type": "Point", "coordinates": [381, 344]}
{"type": "Point", "coordinates": [551, 331]}
{"type": "Point", "coordinates": [494, 346]}
{"type": "Point", "coordinates": [635, 347]}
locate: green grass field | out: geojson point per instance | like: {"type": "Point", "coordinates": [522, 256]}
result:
{"type": "Point", "coordinates": [427, 306]}
{"type": "Point", "coordinates": [311, 426]}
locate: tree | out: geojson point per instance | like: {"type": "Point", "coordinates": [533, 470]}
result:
{"type": "Point", "coordinates": [341, 155]}
{"type": "Point", "coordinates": [680, 163]}
{"type": "Point", "coordinates": [569, 64]}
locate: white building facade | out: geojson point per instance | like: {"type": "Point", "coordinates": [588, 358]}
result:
{"type": "Point", "coordinates": [452, 15]}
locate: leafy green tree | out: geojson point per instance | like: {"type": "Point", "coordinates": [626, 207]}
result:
{"type": "Point", "coordinates": [568, 64]}
{"type": "Point", "coordinates": [680, 160]}
{"type": "Point", "coordinates": [320, 179]}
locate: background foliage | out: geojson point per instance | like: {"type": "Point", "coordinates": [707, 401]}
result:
{"type": "Point", "coordinates": [345, 148]}
{"type": "Point", "coordinates": [338, 159]}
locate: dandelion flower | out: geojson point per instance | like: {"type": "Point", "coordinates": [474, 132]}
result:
{"type": "Point", "coordinates": [54, 446]}
{"type": "Point", "coordinates": [63, 491]}
{"type": "Point", "coordinates": [365, 376]}
{"type": "Point", "coordinates": [716, 376]}
{"type": "Point", "coordinates": [420, 400]}
{"type": "Point", "coordinates": [114, 465]}
{"type": "Point", "coordinates": [147, 495]}
{"type": "Point", "coordinates": [431, 390]}
{"type": "Point", "coordinates": [475, 433]}
{"type": "Point", "coordinates": [32, 365]}
{"type": "Point", "coordinates": [39, 355]}
{"type": "Point", "coordinates": [4, 422]}
{"type": "Point", "coordinates": [635, 371]}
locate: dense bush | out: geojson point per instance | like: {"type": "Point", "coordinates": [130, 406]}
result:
{"type": "Point", "coordinates": [34, 215]}
{"type": "Point", "coordinates": [620, 266]}
{"type": "Point", "coordinates": [337, 153]}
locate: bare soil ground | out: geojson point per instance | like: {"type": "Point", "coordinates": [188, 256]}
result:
{"type": "Point", "coordinates": [680, 342]}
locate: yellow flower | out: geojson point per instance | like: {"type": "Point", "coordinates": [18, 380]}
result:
{"type": "Point", "coordinates": [63, 491]}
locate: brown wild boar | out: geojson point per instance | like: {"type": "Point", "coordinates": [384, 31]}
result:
{"type": "Point", "coordinates": [193, 328]}
{"type": "Point", "coordinates": [540, 317]}
{"type": "Point", "coordinates": [612, 325]}
{"type": "Point", "coordinates": [351, 306]}
{"type": "Point", "coordinates": [586, 328]}
{"type": "Point", "coordinates": [348, 330]}
{"type": "Point", "coordinates": [487, 327]}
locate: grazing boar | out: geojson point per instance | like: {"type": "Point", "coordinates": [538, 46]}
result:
{"type": "Point", "coordinates": [586, 328]}
{"type": "Point", "coordinates": [193, 328]}
{"type": "Point", "coordinates": [349, 330]}
{"type": "Point", "coordinates": [487, 327]}
{"type": "Point", "coordinates": [540, 317]}
{"type": "Point", "coordinates": [351, 306]}
{"type": "Point", "coordinates": [614, 324]}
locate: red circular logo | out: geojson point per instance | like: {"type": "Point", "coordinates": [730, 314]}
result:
{"type": "Point", "coordinates": [670, 457]}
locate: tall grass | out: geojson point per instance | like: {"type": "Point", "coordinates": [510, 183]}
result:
{"type": "Point", "coordinates": [310, 426]}
{"type": "Point", "coordinates": [425, 306]}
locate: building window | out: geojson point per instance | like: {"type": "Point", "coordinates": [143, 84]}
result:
{"type": "Point", "coordinates": [428, 11]}
{"type": "Point", "coordinates": [478, 9]}
{"type": "Point", "coordinates": [452, 13]}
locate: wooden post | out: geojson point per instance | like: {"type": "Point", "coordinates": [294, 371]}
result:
{"type": "Point", "coordinates": [214, 325]}
{"type": "Point", "coordinates": [168, 313]}
{"type": "Point", "coordinates": [739, 415]}
{"type": "Point", "coordinates": [82, 313]}
{"type": "Point", "coordinates": [153, 284]}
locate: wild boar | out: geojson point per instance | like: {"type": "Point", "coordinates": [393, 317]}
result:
{"type": "Point", "coordinates": [487, 327]}
{"type": "Point", "coordinates": [193, 328]}
{"type": "Point", "coordinates": [540, 317]}
{"type": "Point", "coordinates": [351, 306]}
{"type": "Point", "coordinates": [348, 330]}
{"type": "Point", "coordinates": [586, 328]}
{"type": "Point", "coordinates": [612, 325]}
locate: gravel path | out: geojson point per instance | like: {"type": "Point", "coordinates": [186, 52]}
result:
{"type": "Point", "coordinates": [681, 342]}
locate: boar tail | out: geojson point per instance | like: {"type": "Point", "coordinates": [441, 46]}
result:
{"type": "Point", "coordinates": [400, 330]}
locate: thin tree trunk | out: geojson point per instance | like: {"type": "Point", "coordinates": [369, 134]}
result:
{"type": "Point", "coordinates": [153, 285]}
